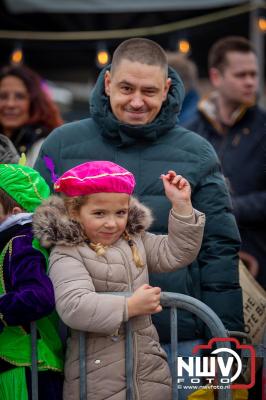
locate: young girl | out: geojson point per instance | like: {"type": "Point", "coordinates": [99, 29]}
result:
{"type": "Point", "coordinates": [26, 292]}
{"type": "Point", "coordinates": [101, 245]}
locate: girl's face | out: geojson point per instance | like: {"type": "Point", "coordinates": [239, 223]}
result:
{"type": "Point", "coordinates": [14, 104]}
{"type": "Point", "coordinates": [104, 217]}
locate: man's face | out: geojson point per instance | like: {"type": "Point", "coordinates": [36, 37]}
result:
{"type": "Point", "coordinates": [238, 82]}
{"type": "Point", "coordinates": [136, 91]}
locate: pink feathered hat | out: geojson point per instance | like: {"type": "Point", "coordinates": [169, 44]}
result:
{"type": "Point", "coordinates": [95, 177]}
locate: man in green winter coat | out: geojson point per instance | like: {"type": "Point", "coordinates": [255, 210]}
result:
{"type": "Point", "coordinates": [134, 108]}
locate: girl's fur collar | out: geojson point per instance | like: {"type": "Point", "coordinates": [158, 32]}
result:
{"type": "Point", "coordinates": [52, 225]}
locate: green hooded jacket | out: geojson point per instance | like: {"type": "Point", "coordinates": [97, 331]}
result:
{"type": "Point", "coordinates": [148, 151]}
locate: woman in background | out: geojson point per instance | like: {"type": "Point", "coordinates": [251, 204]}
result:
{"type": "Point", "coordinates": [27, 113]}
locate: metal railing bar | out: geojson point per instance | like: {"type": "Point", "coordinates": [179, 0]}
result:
{"type": "Point", "coordinates": [173, 360]}
{"type": "Point", "coordinates": [169, 300]}
{"type": "Point", "coordinates": [208, 316]}
{"type": "Point", "coordinates": [34, 361]}
{"type": "Point", "coordinates": [129, 362]}
{"type": "Point", "coordinates": [205, 313]}
{"type": "Point", "coordinates": [82, 366]}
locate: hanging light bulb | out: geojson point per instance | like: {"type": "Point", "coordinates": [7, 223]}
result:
{"type": "Point", "coordinates": [262, 24]}
{"type": "Point", "coordinates": [17, 56]}
{"type": "Point", "coordinates": [102, 57]}
{"type": "Point", "coordinates": [184, 46]}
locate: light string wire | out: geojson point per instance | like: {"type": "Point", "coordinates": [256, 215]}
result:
{"type": "Point", "coordinates": [133, 32]}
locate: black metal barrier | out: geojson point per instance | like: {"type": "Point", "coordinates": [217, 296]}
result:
{"type": "Point", "coordinates": [174, 301]}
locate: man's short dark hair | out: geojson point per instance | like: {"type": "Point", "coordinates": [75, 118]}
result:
{"type": "Point", "coordinates": [142, 50]}
{"type": "Point", "coordinates": [218, 52]}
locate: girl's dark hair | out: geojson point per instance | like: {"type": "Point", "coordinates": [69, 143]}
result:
{"type": "Point", "coordinates": [42, 108]}
{"type": "Point", "coordinates": [7, 202]}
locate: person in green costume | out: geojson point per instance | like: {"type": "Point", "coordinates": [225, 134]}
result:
{"type": "Point", "coordinates": [26, 292]}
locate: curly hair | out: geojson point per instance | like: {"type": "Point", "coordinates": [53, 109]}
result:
{"type": "Point", "coordinates": [42, 108]}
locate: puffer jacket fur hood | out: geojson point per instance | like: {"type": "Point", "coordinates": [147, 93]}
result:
{"type": "Point", "coordinates": [84, 285]}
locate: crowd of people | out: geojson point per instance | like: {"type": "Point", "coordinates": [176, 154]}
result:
{"type": "Point", "coordinates": [70, 228]}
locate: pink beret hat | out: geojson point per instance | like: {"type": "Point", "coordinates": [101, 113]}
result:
{"type": "Point", "coordinates": [95, 177]}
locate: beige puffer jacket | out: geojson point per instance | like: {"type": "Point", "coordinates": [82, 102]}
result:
{"type": "Point", "coordinates": [78, 275]}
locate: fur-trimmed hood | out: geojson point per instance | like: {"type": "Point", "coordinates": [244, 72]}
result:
{"type": "Point", "coordinates": [52, 225]}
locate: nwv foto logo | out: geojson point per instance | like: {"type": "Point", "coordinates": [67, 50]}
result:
{"type": "Point", "coordinates": [230, 367]}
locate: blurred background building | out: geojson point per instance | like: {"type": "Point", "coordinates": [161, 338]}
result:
{"type": "Point", "coordinates": [68, 42]}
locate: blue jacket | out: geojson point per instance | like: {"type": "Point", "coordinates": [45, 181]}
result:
{"type": "Point", "coordinates": [148, 151]}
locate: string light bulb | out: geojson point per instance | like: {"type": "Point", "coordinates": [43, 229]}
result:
{"type": "Point", "coordinates": [102, 58]}
{"type": "Point", "coordinates": [262, 24]}
{"type": "Point", "coordinates": [184, 46]}
{"type": "Point", "coordinates": [17, 56]}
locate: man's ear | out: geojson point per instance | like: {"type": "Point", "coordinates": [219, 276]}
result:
{"type": "Point", "coordinates": [107, 82]}
{"type": "Point", "coordinates": [215, 77]}
{"type": "Point", "coordinates": [16, 210]}
{"type": "Point", "coordinates": [166, 88]}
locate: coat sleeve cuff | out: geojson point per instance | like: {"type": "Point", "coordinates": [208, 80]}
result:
{"type": "Point", "coordinates": [189, 219]}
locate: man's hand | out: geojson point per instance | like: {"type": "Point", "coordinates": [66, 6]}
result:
{"type": "Point", "coordinates": [145, 300]}
{"type": "Point", "coordinates": [178, 191]}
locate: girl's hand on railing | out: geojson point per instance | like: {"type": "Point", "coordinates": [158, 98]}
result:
{"type": "Point", "coordinates": [145, 300]}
